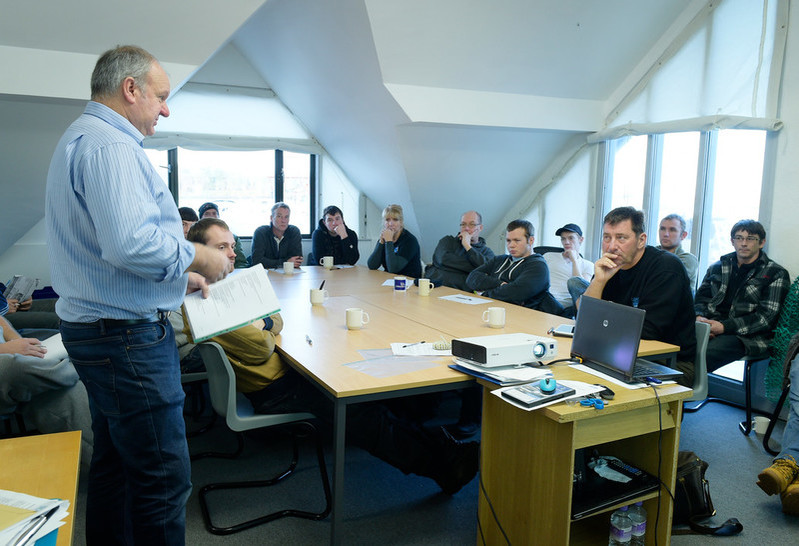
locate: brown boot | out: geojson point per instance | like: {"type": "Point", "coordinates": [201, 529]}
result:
{"type": "Point", "coordinates": [776, 478]}
{"type": "Point", "coordinates": [790, 498]}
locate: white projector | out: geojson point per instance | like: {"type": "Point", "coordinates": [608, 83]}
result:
{"type": "Point", "coordinates": [505, 349]}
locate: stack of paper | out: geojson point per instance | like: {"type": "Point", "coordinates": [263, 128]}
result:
{"type": "Point", "coordinates": [24, 519]}
{"type": "Point", "coordinates": [502, 375]}
{"type": "Point", "coordinates": [243, 297]}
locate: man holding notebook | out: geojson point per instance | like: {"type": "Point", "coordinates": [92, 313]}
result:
{"type": "Point", "coordinates": [631, 273]}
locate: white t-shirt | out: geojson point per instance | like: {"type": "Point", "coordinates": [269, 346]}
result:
{"type": "Point", "coordinates": [560, 271]}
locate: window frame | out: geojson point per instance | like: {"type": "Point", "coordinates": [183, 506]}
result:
{"type": "Point", "coordinates": [705, 186]}
{"type": "Point", "coordinates": [174, 184]}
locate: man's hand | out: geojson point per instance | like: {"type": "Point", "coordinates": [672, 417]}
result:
{"type": "Point", "coordinates": [296, 260]}
{"type": "Point", "coordinates": [570, 255]}
{"type": "Point", "coordinates": [197, 282]}
{"type": "Point", "coordinates": [466, 240]}
{"type": "Point", "coordinates": [606, 267]}
{"type": "Point", "coordinates": [716, 328]}
{"type": "Point", "coordinates": [24, 346]}
{"type": "Point", "coordinates": [210, 263]}
{"type": "Point", "coordinates": [13, 306]}
{"type": "Point", "coordinates": [341, 230]}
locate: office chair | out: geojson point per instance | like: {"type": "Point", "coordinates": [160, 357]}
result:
{"type": "Point", "coordinates": [240, 416]}
{"type": "Point", "coordinates": [543, 249]}
{"type": "Point", "coordinates": [193, 386]}
{"type": "Point", "coordinates": [700, 369]}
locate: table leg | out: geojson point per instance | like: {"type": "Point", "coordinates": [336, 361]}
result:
{"type": "Point", "coordinates": [339, 435]}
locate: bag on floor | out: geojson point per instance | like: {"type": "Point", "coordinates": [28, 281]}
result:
{"type": "Point", "coordinates": [692, 503]}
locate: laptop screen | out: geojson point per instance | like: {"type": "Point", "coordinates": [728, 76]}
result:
{"type": "Point", "coordinates": [608, 333]}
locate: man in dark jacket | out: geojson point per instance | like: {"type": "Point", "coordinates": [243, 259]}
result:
{"type": "Point", "coordinates": [740, 297]}
{"type": "Point", "coordinates": [333, 238]}
{"type": "Point", "coordinates": [278, 242]}
{"type": "Point", "coordinates": [520, 276]}
{"type": "Point", "coordinates": [458, 255]}
{"type": "Point", "coordinates": [632, 273]}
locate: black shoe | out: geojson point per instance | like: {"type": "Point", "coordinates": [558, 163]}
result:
{"type": "Point", "coordinates": [463, 430]}
{"type": "Point", "coordinates": [460, 462]}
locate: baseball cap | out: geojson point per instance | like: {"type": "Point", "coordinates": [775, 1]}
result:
{"type": "Point", "coordinates": [568, 227]}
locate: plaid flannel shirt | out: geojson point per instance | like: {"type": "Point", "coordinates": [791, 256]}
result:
{"type": "Point", "coordinates": [755, 307]}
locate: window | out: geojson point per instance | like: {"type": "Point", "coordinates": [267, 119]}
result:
{"type": "Point", "coordinates": [713, 177]}
{"type": "Point", "coordinates": [244, 184]}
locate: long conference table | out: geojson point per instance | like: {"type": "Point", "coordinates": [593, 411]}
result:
{"type": "Point", "coordinates": [408, 317]}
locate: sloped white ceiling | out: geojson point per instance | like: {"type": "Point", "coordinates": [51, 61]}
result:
{"type": "Point", "coordinates": [449, 105]}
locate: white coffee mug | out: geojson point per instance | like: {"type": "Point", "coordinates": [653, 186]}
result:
{"type": "Point", "coordinates": [327, 262]}
{"type": "Point", "coordinates": [288, 268]}
{"type": "Point", "coordinates": [400, 284]}
{"type": "Point", "coordinates": [495, 317]}
{"type": "Point", "coordinates": [356, 318]}
{"type": "Point", "coordinates": [318, 296]}
{"type": "Point", "coordinates": [425, 286]}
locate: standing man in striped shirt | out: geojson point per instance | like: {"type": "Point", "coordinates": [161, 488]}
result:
{"type": "Point", "coordinates": [119, 261]}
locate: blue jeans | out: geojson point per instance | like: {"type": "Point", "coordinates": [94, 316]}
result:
{"type": "Point", "coordinates": [790, 436]}
{"type": "Point", "coordinates": [140, 474]}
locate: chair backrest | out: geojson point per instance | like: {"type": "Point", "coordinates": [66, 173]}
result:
{"type": "Point", "coordinates": [543, 249]}
{"type": "Point", "coordinates": [234, 406]}
{"type": "Point", "coordinates": [700, 362]}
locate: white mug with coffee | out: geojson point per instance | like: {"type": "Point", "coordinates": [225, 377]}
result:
{"type": "Point", "coordinates": [425, 286]}
{"type": "Point", "coordinates": [327, 262]}
{"type": "Point", "coordinates": [495, 317]}
{"type": "Point", "coordinates": [356, 318]}
{"type": "Point", "coordinates": [318, 296]}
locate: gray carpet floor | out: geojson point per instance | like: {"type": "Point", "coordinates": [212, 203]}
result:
{"type": "Point", "coordinates": [383, 506]}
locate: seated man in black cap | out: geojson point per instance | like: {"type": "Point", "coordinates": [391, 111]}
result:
{"type": "Point", "coordinates": [569, 272]}
{"type": "Point", "coordinates": [210, 210]}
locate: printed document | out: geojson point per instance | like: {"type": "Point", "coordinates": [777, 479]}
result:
{"type": "Point", "coordinates": [245, 296]}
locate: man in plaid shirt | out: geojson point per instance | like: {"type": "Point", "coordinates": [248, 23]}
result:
{"type": "Point", "coordinates": [740, 297]}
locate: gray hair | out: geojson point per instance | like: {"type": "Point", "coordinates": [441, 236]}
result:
{"type": "Point", "coordinates": [280, 205]}
{"type": "Point", "coordinates": [119, 63]}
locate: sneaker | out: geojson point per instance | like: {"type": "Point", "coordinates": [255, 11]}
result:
{"type": "Point", "coordinates": [790, 498]}
{"type": "Point", "coordinates": [776, 478]}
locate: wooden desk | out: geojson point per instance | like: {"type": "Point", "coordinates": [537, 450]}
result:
{"type": "Point", "coordinates": [532, 502]}
{"type": "Point", "coordinates": [45, 466]}
{"type": "Point", "coordinates": [410, 317]}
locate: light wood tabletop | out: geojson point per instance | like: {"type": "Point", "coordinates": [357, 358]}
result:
{"type": "Point", "coordinates": [46, 466]}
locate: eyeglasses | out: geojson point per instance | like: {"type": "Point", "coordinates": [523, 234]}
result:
{"type": "Point", "coordinates": [749, 239]}
{"type": "Point", "coordinates": [469, 225]}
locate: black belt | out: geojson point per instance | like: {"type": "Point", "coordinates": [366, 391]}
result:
{"type": "Point", "coordinates": [121, 323]}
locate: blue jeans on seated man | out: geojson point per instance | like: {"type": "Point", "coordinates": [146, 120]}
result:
{"type": "Point", "coordinates": [576, 287]}
{"type": "Point", "coordinates": [790, 436]}
{"type": "Point", "coordinates": [140, 475]}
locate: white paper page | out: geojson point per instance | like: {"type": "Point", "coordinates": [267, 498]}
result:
{"type": "Point", "coordinates": [37, 505]}
{"type": "Point", "coordinates": [233, 302]}
{"type": "Point", "coordinates": [580, 389]}
{"type": "Point", "coordinates": [55, 347]}
{"type": "Point", "coordinates": [468, 300]}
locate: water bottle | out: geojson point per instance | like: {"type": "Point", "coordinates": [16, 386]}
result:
{"type": "Point", "coordinates": [637, 515]}
{"type": "Point", "coordinates": [620, 527]}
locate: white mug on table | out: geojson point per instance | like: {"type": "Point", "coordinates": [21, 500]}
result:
{"type": "Point", "coordinates": [288, 268]}
{"type": "Point", "coordinates": [318, 296]}
{"type": "Point", "coordinates": [425, 286]}
{"type": "Point", "coordinates": [495, 317]}
{"type": "Point", "coordinates": [356, 318]}
{"type": "Point", "coordinates": [327, 262]}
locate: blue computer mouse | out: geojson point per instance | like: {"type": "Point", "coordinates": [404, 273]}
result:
{"type": "Point", "coordinates": [547, 385]}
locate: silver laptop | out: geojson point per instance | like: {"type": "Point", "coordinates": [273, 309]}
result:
{"type": "Point", "coordinates": [606, 339]}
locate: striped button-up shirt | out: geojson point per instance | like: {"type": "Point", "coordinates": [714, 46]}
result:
{"type": "Point", "coordinates": [114, 235]}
